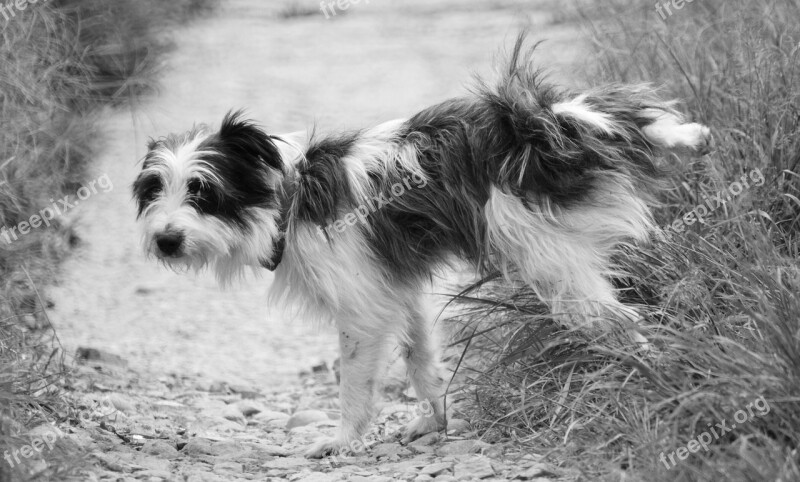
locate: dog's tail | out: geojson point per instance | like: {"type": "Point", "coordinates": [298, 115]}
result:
{"type": "Point", "coordinates": [560, 147]}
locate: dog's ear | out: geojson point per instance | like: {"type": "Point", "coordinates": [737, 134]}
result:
{"type": "Point", "coordinates": [247, 142]}
{"type": "Point", "coordinates": [151, 144]}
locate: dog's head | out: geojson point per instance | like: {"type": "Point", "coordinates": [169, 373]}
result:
{"type": "Point", "coordinates": [213, 198]}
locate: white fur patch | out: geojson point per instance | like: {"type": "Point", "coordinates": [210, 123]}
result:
{"type": "Point", "coordinates": [564, 255]}
{"type": "Point", "coordinates": [582, 112]}
{"type": "Point", "coordinates": [292, 147]}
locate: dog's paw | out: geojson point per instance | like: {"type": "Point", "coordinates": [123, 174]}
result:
{"type": "Point", "coordinates": [324, 447]}
{"type": "Point", "coordinates": [701, 141]}
{"type": "Point", "coordinates": [643, 344]}
{"type": "Point", "coordinates": [630, 319]}
{"type": "Point", "coordinates": [669, 132]}
{"type": "Point", "coordinates": [420, 426]}
{"type": "Point", "coordinates": [619, 325]}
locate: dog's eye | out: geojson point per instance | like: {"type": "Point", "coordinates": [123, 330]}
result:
{"type": "Point", "coordinates": [195, 187]}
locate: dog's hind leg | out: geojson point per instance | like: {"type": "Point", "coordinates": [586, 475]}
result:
{"type": "Point", "coordinates": [585, 298]}
{"type": "Point", "coordinates": [363, 345]}
{"type": "Point", "coordinates": [423, 359]}
{"type": "Point", "coordinates": [566, 259]}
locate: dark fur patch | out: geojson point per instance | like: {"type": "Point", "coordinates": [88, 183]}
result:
{"type": "Point", "coordinates": [322, 186]}
{"type": "Point", "coordinates": [538, 153]}
{"type": "Point", "coordinates": [557, 156]}
{"type": "Point", "coordinates": [244, 157]}
{"type": "Point", "coordinates": [146, 189]}
{"type": "Point", "coordinates": [417, 229]}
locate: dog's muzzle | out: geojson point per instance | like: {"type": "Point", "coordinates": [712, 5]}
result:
{"type": "Point", "coordinates": [170, 244]}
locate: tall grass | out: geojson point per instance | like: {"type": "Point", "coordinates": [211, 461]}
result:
{"type": "Point", "coordinates": [60, 61]}
{"type": "Point", "coordinates": [721, 298]}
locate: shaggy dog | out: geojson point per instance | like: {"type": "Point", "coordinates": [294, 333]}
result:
{"type": "Point", "coordinates": [519, 177]}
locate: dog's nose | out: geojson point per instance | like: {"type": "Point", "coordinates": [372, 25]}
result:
{"type": "Point", "coordinates": [169, 244]}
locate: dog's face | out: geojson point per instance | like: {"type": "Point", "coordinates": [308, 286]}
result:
{"type": "Point", "coordinates": [210, 198]}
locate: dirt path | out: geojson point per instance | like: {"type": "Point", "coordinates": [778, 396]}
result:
{"type": "Point", "coordinates": [206, 379]}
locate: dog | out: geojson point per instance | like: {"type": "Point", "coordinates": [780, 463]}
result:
{"type": "Point", "coordinates": [518, 177]}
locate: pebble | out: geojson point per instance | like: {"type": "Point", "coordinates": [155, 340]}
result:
{"type": "Point", "coordinates": [232, 413]}
{"type": "Point", "coordinates": [111, 462]}
{"type": "Point", "coordinates": [93, 357]}
{"type": "Point", "coordinates": [248, 408]}
{"type": "Point", "coordinates": [421, 449]}
{"type": "Point", "coordinates": [270, 451]}
{"type": "Point", "coordinates": [319, 477]}
{"type": "Point", "coordinates": [216, 386]}
{"type": "Point", "coordinates": [287, 463]}
{"type": "Point", "coordinates": [426, 440]}
{"type": "Point", "coordinates": [271, 415]}
{"type": "Point", "coordinates": [199, 446]}
{"type": "Point", "coordinates": [478, 467]}
{"type": "Point", "coordinates": [537, 470]}
{"type": "Point", "coordinates": [457, 426]}
{"type": "Point", "coordinates": [389, 450]}
{"type": "Point", "coordinates": [119, 402]}
{"type": "Point", "coordinates": [228, 467]}
{"type": "Point", "coordinates": [436, 469]}
{"type": "Point", "coordinates": [306, 417]}
{"type": "Point", "coordinates": [154, 475]}
{"type": "Point", "coordinates": [160, 448]}
{"type": "Point", "coordinates": [461, 447]}
{"type": "Point", "coordinates": [165, 404]}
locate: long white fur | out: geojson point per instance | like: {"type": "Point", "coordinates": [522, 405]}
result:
{"type": "Point", "coordinates": [563, 258]}
{"type": "Point", "coordinates": [579, 110]}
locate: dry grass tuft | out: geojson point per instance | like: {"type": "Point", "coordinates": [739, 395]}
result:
{"type": "Point", "coordinates": [61, 61]}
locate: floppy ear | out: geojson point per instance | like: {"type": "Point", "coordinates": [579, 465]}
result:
{"type": "Point", "coordinates": [247, 142]}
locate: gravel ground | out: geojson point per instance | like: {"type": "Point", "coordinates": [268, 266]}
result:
{"type": "Point", "coordinates": [203, 382]}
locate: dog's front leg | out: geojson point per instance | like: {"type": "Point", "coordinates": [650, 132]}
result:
{"type": "Point", "coordinates": [361, 357]}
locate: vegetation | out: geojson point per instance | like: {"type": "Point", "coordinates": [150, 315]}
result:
{"type": "Point", "coordinates": [721, 297]}
{"type": "Point", "coordinates": [60, 61]}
